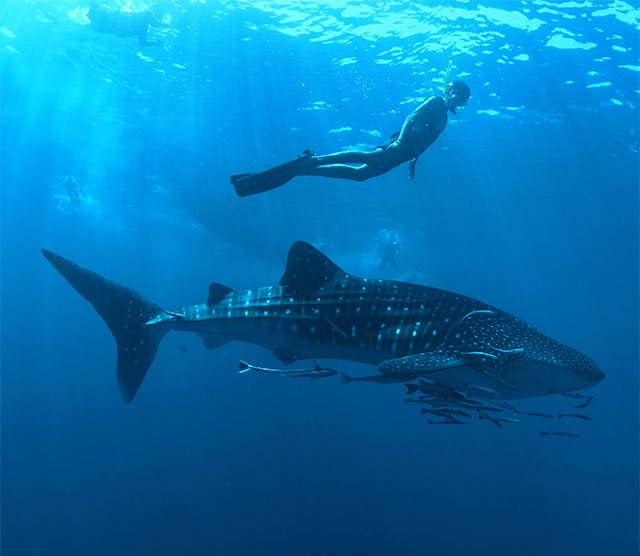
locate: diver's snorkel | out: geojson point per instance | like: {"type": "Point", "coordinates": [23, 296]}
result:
{"type": "Point", "coordinates": [447, 93]}
{"type": "Point", "coordinates": [449, 99]}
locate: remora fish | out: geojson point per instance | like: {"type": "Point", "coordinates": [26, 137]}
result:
{"type": "Point", "coordinates": [320, 311]}
{"type": "Point", "coordinates": [316, 372]}
{"type": "Point", "coordinates": [379, 379]}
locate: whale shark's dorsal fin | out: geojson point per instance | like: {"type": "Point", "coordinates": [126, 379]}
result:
{"type": "Point", "coordinates": [308, 270]}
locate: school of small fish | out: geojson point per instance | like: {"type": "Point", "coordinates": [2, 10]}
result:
{"type": "Point", "coordinates": [446, 405]}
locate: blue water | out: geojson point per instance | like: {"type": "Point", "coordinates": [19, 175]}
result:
{"type": "Point", "coordinates": [527, 201]}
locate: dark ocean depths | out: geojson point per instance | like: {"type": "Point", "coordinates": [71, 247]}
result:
{"type": "Point", "coordinates": [527, 201]}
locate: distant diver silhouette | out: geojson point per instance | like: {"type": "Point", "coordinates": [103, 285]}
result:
{"type": "Point", "coordinates": [389, 251]}
{"type": "Point", "coordinates": [123, 23]}
{"type": "Point", "coordinates": [73, 188]}
{"type": "Point", "coordinates": [421, 128]}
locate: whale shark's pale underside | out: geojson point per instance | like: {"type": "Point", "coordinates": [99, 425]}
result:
{"type": "Point", "coordinates": [320, 311]}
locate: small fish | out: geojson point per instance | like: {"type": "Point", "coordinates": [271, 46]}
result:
{"type": "Point", "coordinates": [502, 419]}
{"type": "Point", "coordinates": [413, 400]}
{"type": "Point", "coordinates": [481, 415]}
{"type": "Point", "coordinates": [316, 372]}
{"type": "Point", "coordinates": [411, 388]}
{"type": "Point", "coordinates": [445, 412]}
{"type": "Point", "coordinates": [574, 395]}
{"type": "Point", "coordinates": [533, 413]}
{"type": "Point", "coordinates": [583, 404]}
{"type": "Point", "coordinates": [446, 422]}
{"type": "Point", "coordinates": [439, 402]}
{"type": "Point", "coordinates": [578, 415]}
{"type": "Point", "coordinates": [436, 388]}
{"type": "Point", "coordinates": [483, 390]}
{"type": "Point", "coordinates": [567, 434]}
{"type": "Point", "coordinates": [380, 379]}
{"type": "Point", "coordinates": [487, 408]}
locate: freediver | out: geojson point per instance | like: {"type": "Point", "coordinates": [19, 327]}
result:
{"type": "Point", "coordinates": [389, 251]}
{"type": "Point", "coordinates": [421, 128]}
{"type": "Point", "coordinates": [73, 188]}
{"type": "Point", "coordinates": [123, 23]}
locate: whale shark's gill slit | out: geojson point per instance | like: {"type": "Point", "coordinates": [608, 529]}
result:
{"type": "Point", "coordinates": [514, 350]}
{"type": "Point", "coordinates": [474, 312]}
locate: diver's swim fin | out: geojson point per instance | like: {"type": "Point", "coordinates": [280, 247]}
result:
{"type": "Point", "coordinates": [251, 184]}
{"type": "Point", "coordinates": [237, 177]}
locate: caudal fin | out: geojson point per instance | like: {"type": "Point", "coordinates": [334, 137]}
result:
{"type": "Point", "coordinates": [244, 367]}
{"type": "Point", "coordinates": [345, 378]}
{"type": "Point", "coordinates": [125, 312]}
{"type": "Point", "coordinates": [411, 388]}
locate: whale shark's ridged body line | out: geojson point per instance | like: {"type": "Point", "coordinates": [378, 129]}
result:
{"type": "Point", "coordinates": [319, 311]}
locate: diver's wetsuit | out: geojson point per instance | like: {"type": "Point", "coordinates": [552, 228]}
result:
{"type": "Point", "coordinates": [420, 129]}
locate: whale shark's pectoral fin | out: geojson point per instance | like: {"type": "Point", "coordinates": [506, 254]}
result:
{"type": "Point", "coordinates": [487, 363]}
{"type": "Point", "coordinates": [421, 363]}
{"type": "Point", "coordinates": [437, 361]}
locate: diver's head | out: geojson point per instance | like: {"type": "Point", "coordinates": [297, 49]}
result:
{"type": "Point", "coordinates": [456, 93]}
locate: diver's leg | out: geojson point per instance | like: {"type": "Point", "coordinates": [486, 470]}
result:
{"type": "Point", "coordinates": [355, 173]}
{"type": "Point", "coordinates": [331, 165]}
{"type": "Point", "coordinates": [340, 165]}
{"type": "Point", "coordinates": [348, 157]}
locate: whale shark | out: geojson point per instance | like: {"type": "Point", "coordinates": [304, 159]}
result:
{"type": "Point", "coordinates": [320, 311]}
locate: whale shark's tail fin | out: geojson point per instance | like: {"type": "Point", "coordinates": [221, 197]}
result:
{"type": "Point", "coordinates": [126, 313]}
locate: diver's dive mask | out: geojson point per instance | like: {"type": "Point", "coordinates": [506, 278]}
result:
{"type": "Point", "coordinates": [456, 93]}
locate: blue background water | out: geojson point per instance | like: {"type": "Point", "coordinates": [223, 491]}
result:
{"type": "Point", "coordinates": [528, 201]}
